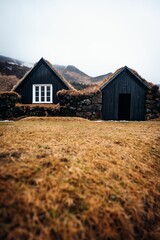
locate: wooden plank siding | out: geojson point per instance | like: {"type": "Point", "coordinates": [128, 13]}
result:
{"type": "Point", "coordinates": [40, 74]}
{"type": "Point", "coordinates": [124, 83]}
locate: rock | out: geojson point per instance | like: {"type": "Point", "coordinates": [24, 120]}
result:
{"type": "Point", "coordinates": [97, 99]}
{"type": "Point", "coordinates": [149, 96]}
{"type": "Point", "coordinates": [85, 102]}
{"type": "Point", "coordinates": [148, 110]}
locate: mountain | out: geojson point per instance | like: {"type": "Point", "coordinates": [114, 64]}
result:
{"type": "Point", "coordinates": [60, 68]}
{"type": "Point", "coordinates": [10, 60]}
{"type": "Point", "coordinates": [73, 74]}
{"type": "Point", "coordinates": [100, 78]}
{"type": "Point", "coordinates": [14, 61]}
{"type": "Point", "coordinates": [10, 67]}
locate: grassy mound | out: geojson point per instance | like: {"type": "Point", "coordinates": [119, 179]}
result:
{"type": "Point", "coordinates": [79, 180]}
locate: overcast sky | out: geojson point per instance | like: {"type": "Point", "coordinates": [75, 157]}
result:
{"type": "Point", "coordinates": [97, 36]}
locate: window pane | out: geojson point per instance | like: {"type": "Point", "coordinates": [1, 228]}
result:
{"type": "Point", "coordinates": [42, 88]}
{"type": "Point", "coordinates": [42, 99]}
{"type": "Point", "coordinates": [37, 89]}
{"type": "Point", "coordinates": [37, 93]}
{"type": "Point", "coordinates": [48, 93]}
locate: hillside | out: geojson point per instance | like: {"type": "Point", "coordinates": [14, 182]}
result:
{"type": "Point", "coordinates": [10, 60]}
{"type": "Point", "coordinates": [87, 180]}
{"type": "Point", "coordinates": [7, 82]}
{"type": "Point", "coordinates": [10, 67]}
{"type": "Point", "coordinates": [100, 78]}
{"type": "Point", "coordinates": [73, 74]}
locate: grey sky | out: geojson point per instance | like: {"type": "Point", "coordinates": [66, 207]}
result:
{"type": "Point", "coordinates": [97, 36]}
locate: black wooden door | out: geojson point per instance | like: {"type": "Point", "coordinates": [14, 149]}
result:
{"type": "Point", "coordinates": [124, 106]}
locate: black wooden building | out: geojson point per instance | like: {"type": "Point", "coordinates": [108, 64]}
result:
{"type": "Point", "coordinates": [123, 96]}
{"type": "Point", "coordinates": [41, 84]}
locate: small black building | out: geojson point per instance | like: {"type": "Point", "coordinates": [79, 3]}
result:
{"type": "Point", "coordinates": [123, 95]}
{"type": "Point", "coordinates": [41, 84]}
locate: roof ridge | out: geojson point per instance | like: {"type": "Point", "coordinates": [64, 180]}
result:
{"type": "Point", "coordinates": [59, 74]}
{"type": "Point", "coordinates": [118, 71]}
{"type": "Point", "coordinates": [51, 67]}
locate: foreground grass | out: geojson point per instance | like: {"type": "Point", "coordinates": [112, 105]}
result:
{"type": "Point", "coordinates": [63, 178]}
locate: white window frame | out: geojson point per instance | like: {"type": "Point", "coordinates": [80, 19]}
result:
{"type": "Point", "coordinates": [45, 93]}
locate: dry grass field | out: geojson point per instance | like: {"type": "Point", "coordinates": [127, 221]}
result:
{"type": "Point", "coordinates": [73, 179]}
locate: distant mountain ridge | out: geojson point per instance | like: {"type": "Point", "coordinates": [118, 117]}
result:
{"type": "Point", "coordinates": [14, 61]}
{"type": "Point", "coordinates": [74, 75]}
{"type": "Point", "coordinates": [10, 60]}
{"type": "Point", "coordinates": [14, 67]}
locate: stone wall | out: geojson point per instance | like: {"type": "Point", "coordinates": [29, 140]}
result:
{"type": "Point", "coordinates": [11, 107]}
{"type": "Point", "coordinates": [152, 105]}
{"type": "Point", "coordinates": [22, 110]}
{"type": "Point", "coordinates": [72, 103]}
{"type": "Point", "coordinates": [8, 101]}
{"type": "Point", "coordinates": [86, 104]}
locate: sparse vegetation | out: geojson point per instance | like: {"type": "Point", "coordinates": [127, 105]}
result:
{"type": "Point", "coordinates": [79, 86]}
{"type": "Point", "coordinates": [7, 82]}
{"type": "Point", "coordinates": [89, 91]}
{"type": "Point", "coordinates": [69, 178]}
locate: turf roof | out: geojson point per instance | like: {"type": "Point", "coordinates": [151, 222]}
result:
{"type": "Point", "coordinates": [53, 69]}
{"type": "Point", "coordinates": [112, 76]}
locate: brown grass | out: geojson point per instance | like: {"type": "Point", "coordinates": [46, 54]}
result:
{"type": "Point", "coordinates": [89, 91]}
{"type": "Point", "coordinates": [38, 105]}
{"type": "Point", "coordinates": [7, 82]}
{"type": "Point", "coordinates": [68, 178]}
{"type": "Point", "coordinates": [9, 94]}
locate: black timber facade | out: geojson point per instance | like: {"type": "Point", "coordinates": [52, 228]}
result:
{"type": "Point", "coordinates": [42, 73]}
{"type": "Point", "coordinates": [123, 97]}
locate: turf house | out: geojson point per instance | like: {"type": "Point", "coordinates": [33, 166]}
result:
{"type": "Point", "coordinates": [41, 84]}
{"type": "Point", "coordinates": [123, 95]}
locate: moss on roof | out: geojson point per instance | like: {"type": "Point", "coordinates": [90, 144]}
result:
{"type": "Point", "coordinates": [59, 75]}
{"type": "Point", "coordinates": [76, 93]}
{"type": "Point", "coordinates": [9, 94]}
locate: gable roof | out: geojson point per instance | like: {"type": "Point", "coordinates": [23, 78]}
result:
{"type": "Point", "coordinates": [51, 67]}
{"type": "Point", "coordinates": [112, 76]}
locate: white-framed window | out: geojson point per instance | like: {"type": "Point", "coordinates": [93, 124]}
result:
{"type": "Point", "coordinates": [42, 93]}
